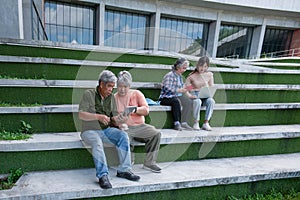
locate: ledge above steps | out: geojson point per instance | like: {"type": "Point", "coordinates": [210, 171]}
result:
{"type": "Point", "coordinates": [82, 183]}
{"type": "Point", "coordinates": [149, 85]}
{"type": "Point", "coordinates": [67, 108]}
{"type": "Point", "coordinates": [72, 140]}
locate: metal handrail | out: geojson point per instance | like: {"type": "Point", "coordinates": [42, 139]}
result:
{"type": "Point", "coordinates": [284, 53]}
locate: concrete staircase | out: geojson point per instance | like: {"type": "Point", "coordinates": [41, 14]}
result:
{"type": "Point", "coordinates": [254, 145]}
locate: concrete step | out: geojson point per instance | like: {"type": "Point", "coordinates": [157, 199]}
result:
{"type": "Point", "coordinates": [72, 140]}
{"type": "Point", "coordinates": [82, 183]}
{"type": "Point", "coordinates": [68, 108]}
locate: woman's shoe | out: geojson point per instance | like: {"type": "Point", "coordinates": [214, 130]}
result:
{"type": "Point", "coordinates": [196, 126]}
{"type": "Point", "coordinates": [206, 127]}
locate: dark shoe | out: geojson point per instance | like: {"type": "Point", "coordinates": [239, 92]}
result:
{"type": "Point", "coordinates": [178, 127]}
{"type": "Point", "coordinates": [153, 168]}
{"type": "Point", "coordinates": [128, 175]}
{"type": "Point", "coordinates": [104, 182]}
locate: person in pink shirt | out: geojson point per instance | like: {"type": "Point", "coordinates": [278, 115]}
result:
{"type": "Point", "coordinates": [197, 79]}
{"type": "Point", "coordinates": [135, 124]}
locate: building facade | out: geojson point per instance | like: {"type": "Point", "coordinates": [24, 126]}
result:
{"type": "Point", "coordinates": [218, 28]}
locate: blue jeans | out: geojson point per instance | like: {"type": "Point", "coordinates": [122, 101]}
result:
{"type": "Point", "coordinates": [114, 136]}
{"type": "Point", "coordinates": [208, 102]}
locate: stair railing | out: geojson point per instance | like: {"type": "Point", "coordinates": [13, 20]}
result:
{"type": "Point", "coordinates": [285, 53]}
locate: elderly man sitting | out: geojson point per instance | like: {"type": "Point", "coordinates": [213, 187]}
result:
{"type": "Point", "coordinates": [97, 110]}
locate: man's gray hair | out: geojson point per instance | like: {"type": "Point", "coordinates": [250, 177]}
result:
{"type": "Point", "coordinates": [124, 77]}
{"type": "Point", "coordinates": [107, 76]}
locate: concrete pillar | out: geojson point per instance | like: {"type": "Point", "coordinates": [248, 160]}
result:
{"type": "Point", "coordinates": [28, 13]}
{"type": "Point", "coordinates": [257, 40]}
{"type": "Point", "coordinates": [213, 36]}
{"type": "Point", "coordinates": [154, 29]}
{"type": "Point", "coordinates": [21, 24]}
{"type": "Point", "coordinates": [100, 24]}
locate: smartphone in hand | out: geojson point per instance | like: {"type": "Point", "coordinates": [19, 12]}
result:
{"type": "Point", "coordinates": [189, 87]}
{"type": "Point", "coordinates": [128, 110]}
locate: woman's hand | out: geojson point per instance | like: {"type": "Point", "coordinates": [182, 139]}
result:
{"type": "Point", "coordinates": [191, 96]}
{"type": "Point", "coordinates": [119, 119]}
{"type": "Point", "coordinates": [182, 90]}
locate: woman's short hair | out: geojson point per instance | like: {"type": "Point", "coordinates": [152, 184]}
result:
{"type": "Point", "coordinates": [180, 62]}
{"type": "Point", "coordinates": [107, 76]}
{"type": "Point", "coordinates": [124, 78]}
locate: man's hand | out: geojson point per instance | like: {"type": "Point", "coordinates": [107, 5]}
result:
{"type": "Point", "coordinates": [103, 119]}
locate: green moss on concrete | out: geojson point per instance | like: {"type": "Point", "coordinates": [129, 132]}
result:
{"type": "Point", "coordinates": [48, 52]}
{"type": "Point", "coordinates": [53, 160]}
{"type": "Point", "coordinates": [196, 151]}
{"type": "Point", "coordinates": [257, 78]}
{"type": "Point", "coordinates": [257, 96]}
{"type": "Point", "coordinates": [287, 67]}
{"type": "Point", "coordinates": [64, 122]}
{"type": "Point", "coordinates": [254, 148]}
{"type": "Point", "coordinates": [75, 72]}
{"type": "Point", "coordinates": [59, 95]}
{"type": "Point", "coordinates": [255, 117]}
{"type": "Point", "coordinates": [46, 160]}
{"type": "Point", "coordinates": [234, 118]}
{"type": "Point", "coordinates": [41, 95]}
{"type": "Point", "coordinates": [41, 123]}
{"type": "Point", "coordinates": [218, 192]}
{"type": "Point", "coordinates": [39, 71]}
{"type": "Point", "coordinates": [81, 158]}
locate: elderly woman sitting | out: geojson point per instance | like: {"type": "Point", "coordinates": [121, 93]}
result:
{"type": "Point", "coordinates": [175, 94]}
{"type": "Point", "coordinates": [132, 103]}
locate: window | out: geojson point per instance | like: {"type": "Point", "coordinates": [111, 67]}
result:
{"type": "Point", "coordinates": [183, 36]}
{"type": "Point", "coordinates": [125, 30]}
{"type": "Point", "coordinates": [234, 41]}
{"type": "Point", "coordinates": [65, 22]}
{"type": "Point", "coordinates": [276, 41]}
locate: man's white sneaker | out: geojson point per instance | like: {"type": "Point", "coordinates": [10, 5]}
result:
{"type": "Point", "coordinates": [196, 126]}
{"type": "Point", "coordinates": [206, 127]}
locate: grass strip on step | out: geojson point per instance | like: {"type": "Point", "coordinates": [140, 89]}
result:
{"type": "Point", "coordinates": [5, 104]}
{"type": "Point", "coordinates": [9, 181]}
{"type": "Point", "coordinates": [7, 135]}
{"type": "Point", "coordinates": [273, 195]}
{"type": "Point", "coordinates": [23, 133]}
{"type": "Point", "coordinates": [22, 78]}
